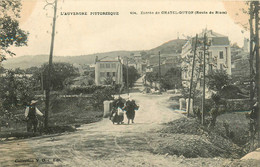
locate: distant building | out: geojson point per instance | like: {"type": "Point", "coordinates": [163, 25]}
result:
{"type": "Point", "coordinates": [218, 56]}
{"type": "Point", "coordinates": [140, 63]}
{"type": "Point", "coordinates": [240, 63]}
{"type": "Point", "coordinates": [135, 61]}
{"type": "Point", "coordinates": [108, 72]}
{"type": "Point", "coordinates": [167, 61]}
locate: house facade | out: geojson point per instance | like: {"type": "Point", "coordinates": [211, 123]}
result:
{"type": "Point", "coordinates": [108, 72]}
{"type": "Point", "coordinates": [218, 56]}
{"type": "Point", "coordinates": [167, 61]}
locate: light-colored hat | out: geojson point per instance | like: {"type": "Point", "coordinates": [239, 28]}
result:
{"type": "Point", "coordinates": [34, 101]}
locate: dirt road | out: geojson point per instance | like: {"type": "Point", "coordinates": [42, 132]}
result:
{"type": "Point", "coordinates": [97, 144]}
{"type": "Point", "coordinates": [103, 144]}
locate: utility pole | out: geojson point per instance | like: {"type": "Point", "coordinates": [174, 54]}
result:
{"type": "Point", "coordinates": [120, 76]}
{"type": "Point", "coordinates": [47, 102]}
{"type": "Point", "coordinates": [159, 72]}
{"type": "Point", "coordinates": [127, 81]}
{"type": "Point", "coordinates": [257, 64]}
{"type": "Point", "coordinates": [42, 82]}
{"type": "Point", "coordinates": [192, 72]}
{"type": "Point", "coordinates": [251, 59]}
{"type": "Point", "coordinates": [254, 75]}
{"type": "Point", "coordinates": [204, 74]}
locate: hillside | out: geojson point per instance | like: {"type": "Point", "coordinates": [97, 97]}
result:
{"type": "Point", "coordinates": [29, 61]}
{"type": "Point", "coordinates": [23, 62]}
{"type": "Point", "coordinates": [170, 47]}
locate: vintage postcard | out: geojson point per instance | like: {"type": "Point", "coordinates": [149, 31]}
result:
{"type": "Point", "coordinates": [129, 83]}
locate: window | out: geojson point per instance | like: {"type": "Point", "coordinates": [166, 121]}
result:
{"type": "Point", "coordinates": [114, 74]}
{"type": "Point", "coordinates": [108, 74]}
{"type": "Point", "coordinates": [102, 74]}
{"type": "Point", "coordinates": [200, 54]}
{"type": "Point", "coordinates": [113, 65]}
{"type": "Point", "coordinates": [102, 65]}
{"type": "Point", "coordinates": [221, 55]}
{"type": "Point", "coordinates": [210, 67]}
{"type": "Point", "coordinates": [221, 66]}
{"type": "Point", "coordinates": [210, 57]}
{"type": "Point", "coordinates": [107, 65]}
{"type": "Point", "coordinates": [201, 82]}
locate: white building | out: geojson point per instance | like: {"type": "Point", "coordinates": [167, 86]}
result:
{"type": "Point", "coordinates": [217, 57]}
{"type": "Point", "coordinates": [107, 71]}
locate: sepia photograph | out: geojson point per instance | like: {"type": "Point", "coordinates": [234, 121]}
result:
{"type": "Point", "coordinates": [148, 83]}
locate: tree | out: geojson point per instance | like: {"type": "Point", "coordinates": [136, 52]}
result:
{"type": "Point", "coordinates": [19, 71]}
{"type": "Point", "coordinates": [60, 73]}
{"type": "Point", "coordinates": [151, 77]}
{"type": "Point", "coordinates": [172, 79]}
{"type": "Point", "coordinates": [235, 45]}
{"type": "Point", "coordinates": [132, 75]}
{"type": "Point", "coordinates": [15, 90]}
{"type": "Point", "coordinates": [31, 70]}
{"type": "Point", "coordinates": [100, 95]}
{"type": "Point", "coordinates": [216, 80]}
{"type": "Point", "coordinates": [108, 81]}
{"type": "Point", "coordinates": [10, 32]}
{"type": "Point", "coordinates": [2, 69]}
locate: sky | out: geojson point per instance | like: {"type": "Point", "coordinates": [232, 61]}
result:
{"type": "Point", "coordinates": [87, 34]}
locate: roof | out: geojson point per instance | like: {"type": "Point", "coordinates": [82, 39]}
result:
{"type": "Point", "coordinates": [220, 41]}
{"type": "Point", "coordinates": [107, 59]}
{"type": "Point", "coordinates": [215, 38]}
{"type": "Point", "coordinates": [210, 34]}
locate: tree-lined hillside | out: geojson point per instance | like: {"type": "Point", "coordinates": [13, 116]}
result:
{"type": "Point", "coordinates": [24, 62]}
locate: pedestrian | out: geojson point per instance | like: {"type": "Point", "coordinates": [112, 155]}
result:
{"type": "Point", "coordinates": [255, 111]}
{"type": "Point", "coordinates": [31, 113]}
{"type": "Point", "coordinates": [130, 107]}
{"type": "Point", "coordinates": [117, 114]}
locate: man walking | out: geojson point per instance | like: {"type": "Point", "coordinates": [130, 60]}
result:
{"type": "Point", "coordinates": [30, 114]}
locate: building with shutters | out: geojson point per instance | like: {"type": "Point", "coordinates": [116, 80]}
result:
{"type": "Point", "coordinates": [218, 56]}
{"type": "Point", "coordinates": [108, 72]}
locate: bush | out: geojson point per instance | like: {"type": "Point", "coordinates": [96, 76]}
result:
{"type": "Point", "coordinates": [90, 89]}
{"type": "Point", "coordinates": [84, 90]}
{"type": "Point", "coordinates": [214, 113]}
{"type": "Point", "coordinates": [171, 79]}
{"type": "Point", "coordinates": [101, 95]}
{"type": "Point", "coordinates": [231, 92]}
{"type": "Point", "coordinates": [15, 90]}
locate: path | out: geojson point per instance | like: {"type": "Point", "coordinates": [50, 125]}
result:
{"type": "Point", "coordinates": [97, 144]}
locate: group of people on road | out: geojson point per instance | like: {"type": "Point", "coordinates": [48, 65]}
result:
{"type": "Point", "coordinates": [119, 106]}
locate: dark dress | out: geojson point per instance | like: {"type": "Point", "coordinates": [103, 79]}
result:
{"type": "Point", "coordinates": [114, 117]}
{"type": "Point", "coordinates": [130, 109]}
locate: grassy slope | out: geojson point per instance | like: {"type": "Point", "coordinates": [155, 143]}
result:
{"type": "Point", "coordinates": [188, 138]}
{"type": "Point", "coordinates": [65, 112]}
